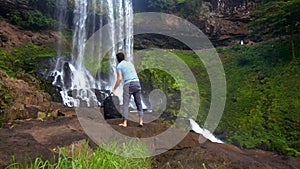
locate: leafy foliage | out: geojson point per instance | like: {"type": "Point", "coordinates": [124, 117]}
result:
{"type": "Point", "coordinates": [24, 58]}
{"type": "Point", "coordinates": [32, 20]}
{"type": "Point", "coordinates": [173, 81]}
{"type": "Point", "coordinates": [189, 7]}
{"type": "Point", "coordinates": [5, 99]}
{"type": "Point", "coordinates": [181, 7]}
{"type": "Point", "coordinates": [4, 63]}
{"type": "Point", "coordinates": [16, 63]}
{"type": "Point", "coordinates": [45, 6]}
{"type": "Point", "coordinates": [23, 63]}
{"type": "Point", "coordinates": [162, 5]}
{"type": "Point", "coordinates": [276, 18]}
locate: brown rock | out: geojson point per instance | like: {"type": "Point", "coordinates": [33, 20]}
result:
{"type": "Point", "coordinates": [27, 100]}
{"type": "Point", "coordinates": [12, 36]}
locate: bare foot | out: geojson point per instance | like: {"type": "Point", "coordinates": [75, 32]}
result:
{"type": "Point", "coordinates": [123, 125]}
{"type": "Point", "coordinates": [141, 122]}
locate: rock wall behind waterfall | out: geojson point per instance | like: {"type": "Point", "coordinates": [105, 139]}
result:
{"type": "Point", "coordinates": [223, 21]}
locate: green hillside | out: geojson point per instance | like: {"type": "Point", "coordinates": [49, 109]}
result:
{"type": "Point", "coordinates": [262, 108]}
{"type": "Point", "coordinates": [263, 94]}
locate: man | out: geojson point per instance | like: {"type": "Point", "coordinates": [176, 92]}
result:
{"type": "Point", "coordinates": [127, 73]}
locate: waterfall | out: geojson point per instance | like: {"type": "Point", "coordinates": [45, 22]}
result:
{"type": "Point", "coordinates": [60, 15]}
{"type": "Point", "coordinates": [76, 83]}
{"type": "Point", "coordinates": [112, 36]}
{"type": "Point", "coordinates": [129, 30]}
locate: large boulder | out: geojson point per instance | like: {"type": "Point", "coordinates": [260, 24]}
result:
{"type": "Point", "coordinates": [27, 101]}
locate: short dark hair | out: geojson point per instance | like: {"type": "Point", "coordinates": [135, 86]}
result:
{"type": "Point", "coordinates": [120, 57]}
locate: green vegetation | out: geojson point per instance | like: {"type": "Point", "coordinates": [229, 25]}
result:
{"type": "Point", "coordinates": [45, 6]}
{"type": "Point", "coordinates": [159, 78]}
{"type": "Point", "coordinates": [24, 58]}
{"type": "Point", "coordinates": [32, 20]}
{"type": "Point", "coordinates": [18, 63]}
{"type": "Point", "coordinates": [159, 73]}
{"type": "Point", "coordinates": [5, 99]}
{"type": "Point", "coordinates": [277, 18]}
{"type": "Point", "coordinates": [262, 109]}
{"type": "Point", "coordinates": [183, 8]}
{"type": "Point", "coordinates": [98, 159]}
{"type": "Point", "coordinates": [39, 15]}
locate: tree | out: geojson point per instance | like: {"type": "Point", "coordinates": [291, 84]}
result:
{"type": "Point", "coordinates": [189, 7]}
{"type": "Point", "coordinates": [167, 6]}
{"type": "Point", "coordinates": [277, 18]}
{"type": "Point", "coordinates": [182, 7]}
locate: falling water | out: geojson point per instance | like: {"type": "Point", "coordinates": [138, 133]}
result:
{"type": "Point", "coordinates": [112, 35]}
{"type": "Point", "coordinates": [61, 16]}
{"type": "Point", "coordinates": [77, 84]}
{"type": "Point", "coordinates": [129, 30]}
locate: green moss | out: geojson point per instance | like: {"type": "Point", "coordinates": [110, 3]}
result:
{"type": "Point", "coordinates": [24, 58]}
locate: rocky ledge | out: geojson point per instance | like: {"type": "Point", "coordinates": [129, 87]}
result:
{"type": "Point", "coordinates": [28, 139]}
{"type": "Point", "coordinates": [38, 126]}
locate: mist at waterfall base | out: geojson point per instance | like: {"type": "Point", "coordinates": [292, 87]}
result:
{"type": "Point", "coordinates": [81, 87]}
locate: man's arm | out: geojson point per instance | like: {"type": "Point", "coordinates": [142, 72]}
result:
{"type": "Point", "coordinates": [119, 79]}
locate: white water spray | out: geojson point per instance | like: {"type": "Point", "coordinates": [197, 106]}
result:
{"type": "Point", "coordinates": [206, 133]}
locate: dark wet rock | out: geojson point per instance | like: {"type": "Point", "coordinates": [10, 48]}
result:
{"type": "Point", "coordinates": [22, 147]}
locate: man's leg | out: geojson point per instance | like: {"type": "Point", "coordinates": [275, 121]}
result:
{"type": "Point", "coordinates": [138, 101]}
{"type": "Point", "coordinates": [126, 100]}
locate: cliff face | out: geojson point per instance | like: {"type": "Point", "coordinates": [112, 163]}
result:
{"type": "Point", "coordinates": [7, 6]}
{"type": "Point", "coordinates": [224, 21]}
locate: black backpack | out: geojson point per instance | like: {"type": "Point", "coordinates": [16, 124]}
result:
{"type": "Point", "coordinates": [111, 106]}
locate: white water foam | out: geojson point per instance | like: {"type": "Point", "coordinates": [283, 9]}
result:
{"type": "Point", "coordinates": [206, 133]}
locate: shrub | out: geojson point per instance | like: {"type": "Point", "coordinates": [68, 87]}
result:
{"type": "Point", "coordinates": [32, 20]}
{"type": "Point", "coordinates": [5, 98]}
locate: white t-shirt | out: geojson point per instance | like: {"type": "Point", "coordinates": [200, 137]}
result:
{"type": "Point", "coordinates": [128, 71]}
